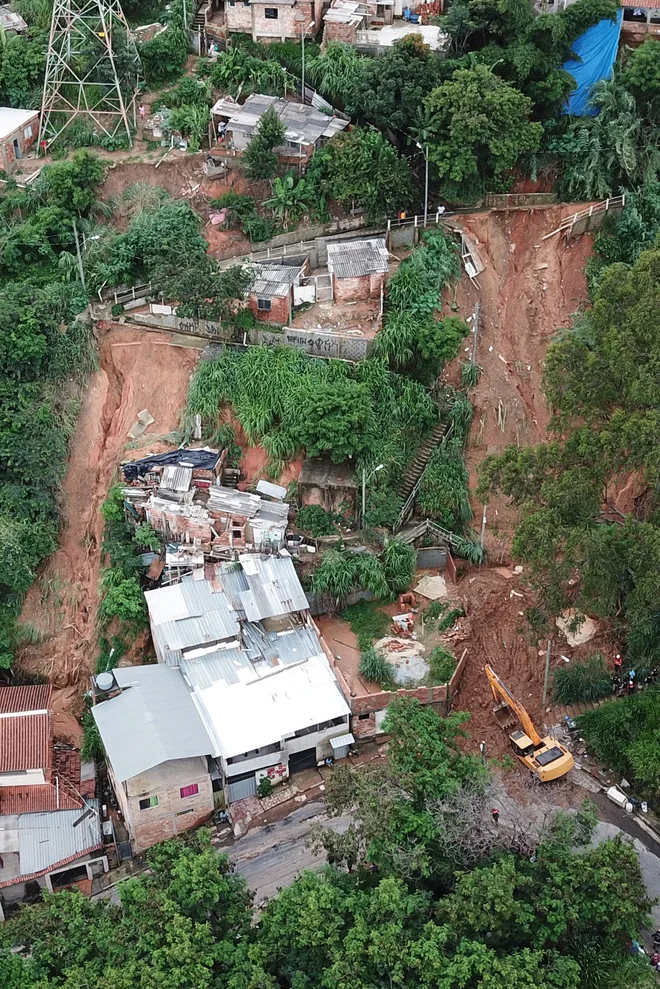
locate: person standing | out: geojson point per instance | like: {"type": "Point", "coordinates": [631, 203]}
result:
{"type": "Point", "coordinates": [495, 814]}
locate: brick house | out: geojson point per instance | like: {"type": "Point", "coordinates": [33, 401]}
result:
{"type": "Point", "coordinates": [50, 831]}
{"type": "Point", "coordinates": [271, 295]}
{"type": "Point", "coordinates": [358, 268]}
{"type": "Point", "coordinates": [19, 130]}
{"type": "Point", "coordinates": [273, 20]}
{"type": "Point", "coordinates": [306, 128]}
{"type": "Point", "coordinates": [157, 748]}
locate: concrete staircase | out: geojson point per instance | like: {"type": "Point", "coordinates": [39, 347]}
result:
{"type": "Point", "coordinates": [416, 467]}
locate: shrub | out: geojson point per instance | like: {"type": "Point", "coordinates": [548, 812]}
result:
{"type": "Point", "coordinates": [399, 562]}
{"type": "Point", "coordinates": [92, 747]}
{"type": "Point", "coordinates": [581, 682]}
{"type": "Point", "coordinates": [470, 374]}
{"type": "Point", "coordinates": [376, 669]}
{"type": "Point", "coordinates": [367, 622]}
{"type": "Point", "coordinates": [315, 520]}
{"type": "Point", "coordinates": [442, 665]}
{"type": "Point", "coordinates": [264, 787]}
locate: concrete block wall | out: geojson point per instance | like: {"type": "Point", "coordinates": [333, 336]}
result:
{"type": "Point", "coordinates": [173, 815]}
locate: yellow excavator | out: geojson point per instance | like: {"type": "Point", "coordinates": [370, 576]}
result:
{"type": "Point", "coordinates": [546, 758]}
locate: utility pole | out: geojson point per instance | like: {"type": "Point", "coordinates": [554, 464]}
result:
{"type": "Point", "coordinates": [547, 672]}
{"type": "Point", "coordinates": [302, 44]}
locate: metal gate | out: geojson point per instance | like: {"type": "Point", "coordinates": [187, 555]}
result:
{"type": "Point", "coordinates": [302, 760]}
{"type": "Point", "coordinates": [242, 789]}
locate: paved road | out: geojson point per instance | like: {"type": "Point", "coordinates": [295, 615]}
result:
{"type": "Point", "coordinates": [274, 855]}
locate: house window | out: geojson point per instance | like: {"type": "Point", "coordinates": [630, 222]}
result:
{"type": "Point", "coordinates": [264, 305]}
{"type": "Point", "coordinates": [148, 802]}
{"type": "Point", "coordinates": [363, 717]}
{"type": "Point", "coordinates": [189, 791]}
{"type": "Point", "coordinates": [27, 133]}
{"type": "Point", "coordinates": [270, 13]}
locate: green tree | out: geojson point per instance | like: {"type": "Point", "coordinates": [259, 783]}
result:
{"type": "Point", "coordinates": [360, 167]}
{"type": "Point", "coordinates": [339, 420]}
{"type": "Point", "coordinates": [390, 89]}
{"type": "Point", "coordinates": [641, 75]}
{"type": "Point", "coordinates": [260, 158]}
{"type": "Point", "coordinates": [483, 128]}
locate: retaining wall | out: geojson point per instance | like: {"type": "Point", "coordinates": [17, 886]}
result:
{"type": "Point", "coordinates": [313, 342]}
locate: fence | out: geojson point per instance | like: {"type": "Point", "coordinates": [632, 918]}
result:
{"type": "Point", "coordinates": [590, 218]}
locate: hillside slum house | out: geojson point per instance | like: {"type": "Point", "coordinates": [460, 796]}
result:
{"type": "Point", "coordinates": [358, 269]}
{"type": "Point", "coordinates": [50, 830]}
{"type": "Point", "coordinates": [306, 128]}
{"type": "Point", "coordinates": [272, 294]}
{"type": "Point", "coordinates": [243, 689]}
{"type": "Point", "coordinates": [182, 496]}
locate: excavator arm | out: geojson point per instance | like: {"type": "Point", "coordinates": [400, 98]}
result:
{"type": "Point", "coordinates": [501, 693]}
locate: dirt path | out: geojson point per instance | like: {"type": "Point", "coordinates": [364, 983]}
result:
{"type": "Point", "coordinates": [528, 290]}
{"type": "Point", "coordinates": [137, 370]}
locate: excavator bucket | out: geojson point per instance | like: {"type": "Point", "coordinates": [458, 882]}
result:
{"type": "Point", "coordinates": [504, 716]}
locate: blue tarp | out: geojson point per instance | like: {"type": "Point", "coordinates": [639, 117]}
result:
{"type": "Point", "coordinates": [597, 50]}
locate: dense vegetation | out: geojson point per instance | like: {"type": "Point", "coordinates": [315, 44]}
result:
{"type": "Point", "coordinates": [436, 897]}
{"type": "Point", "coordinates": [625, 735]}
{"type": "Point", "coordinates": [46, 351]}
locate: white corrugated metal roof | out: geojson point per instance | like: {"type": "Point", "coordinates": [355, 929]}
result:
{"type": "Point", "coordinates": [48, 838]}
{"type": "Point", "coordinates": [341, 740]}
{"type": "Point", "coordinates": [153, 720]}
{"type": "Point", "coordinates": [11, 119]}
{"type": "Point", "coordinates": [249, 715]}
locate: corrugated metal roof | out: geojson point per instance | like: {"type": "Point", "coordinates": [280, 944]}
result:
{"type": "Point", "coordinates": [198, 631]}
{"type": "Point", "coordinates": [304, 124]}
{"type": "Point", "coordinates": [45, 839]}
{"type": "Point", "coordinates": [152, 721]}
{"type": "Point", "coordinates": [274, 587]}
{"type": "Point", "coordinates": [292, 646]}
{"type": "Point", "coordinates": [232, 501]}
{"type": "Point", "coordinates": [177, 604]}
{"type": "Point", "coordinates": [353, 258]}
{"type": "Point", "coordinates": [11, 21]}
{"type": "Point", "coordinates": [273, 281]}
{"type": "Point", "coordinates": [223, 664]}
{"type": "Point", "coordinates": [176, 478]}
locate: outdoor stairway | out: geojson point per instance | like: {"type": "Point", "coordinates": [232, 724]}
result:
{"type": "Point", "coordinates": [417, 466]}
{"type": "Point", "coordinates": [199, 20]}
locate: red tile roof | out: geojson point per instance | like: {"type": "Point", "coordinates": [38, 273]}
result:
{"type": "Point", "coordinates": [25, 735]}
{"type": "Point", "coordinates": [25, 742]}
{"type": "Point", "coordinates": [31, 698]}
{"type": "Point", "coordinates": [36, 799]}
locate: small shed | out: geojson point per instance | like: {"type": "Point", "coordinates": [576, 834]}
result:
{"type": "Point", "coordinates": [271, 296]}
{"type": "Point", "coordinates": [358, 268]}
{"type": "Point", "coordinates": [333, 486]}
{"type": "Point", "coordinates": [19, 129]}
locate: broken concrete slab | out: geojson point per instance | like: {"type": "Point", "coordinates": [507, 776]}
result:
{"type": "Point", "coordinates": [433, 588]}
{"type": "Point", "coordinates": [145, 417]}
{"type": "Point", "coordinates": [577, 628]}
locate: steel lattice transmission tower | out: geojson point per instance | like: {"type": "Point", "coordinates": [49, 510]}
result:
{"type": "Point", "coordinates": [92, 69]}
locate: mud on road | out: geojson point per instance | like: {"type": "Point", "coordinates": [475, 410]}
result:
{"type": "Point", "coordinates": [137, 370]}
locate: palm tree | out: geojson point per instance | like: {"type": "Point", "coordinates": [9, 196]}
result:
{"type": "Point", "coordinates": [288, 199]}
